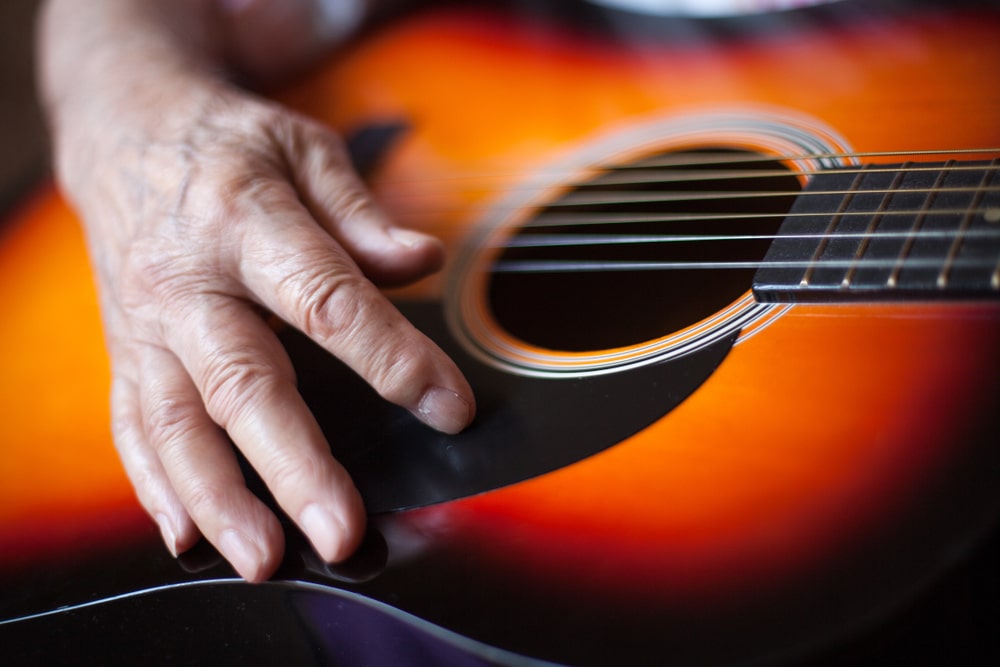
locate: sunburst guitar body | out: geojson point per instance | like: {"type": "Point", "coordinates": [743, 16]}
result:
{"type": "Point", "coordinates": [728, 293]}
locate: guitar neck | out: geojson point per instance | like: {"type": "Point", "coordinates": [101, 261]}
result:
{"type": "Point", "coordinates": [913, 231]}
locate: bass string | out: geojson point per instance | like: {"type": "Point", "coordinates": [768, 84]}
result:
{"type": "Point", "coordinates": [681, 160]}
{"type": "Point", "coordinates": [627, 198]}
{"type": "Point", "coordinates": [657, 175]}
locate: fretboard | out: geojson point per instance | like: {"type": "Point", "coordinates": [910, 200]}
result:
{"type": "Point", "coordinates": [914, 231]}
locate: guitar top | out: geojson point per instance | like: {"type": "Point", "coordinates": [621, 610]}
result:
{"type": "Point", "coordinates": [728, 292]}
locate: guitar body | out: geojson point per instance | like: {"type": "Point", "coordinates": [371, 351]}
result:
{"type": "Point", "coordinates": [810, 471]}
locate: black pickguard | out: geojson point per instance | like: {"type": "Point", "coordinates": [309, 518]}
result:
{"type": "Point", "coordinates": [526, 426]}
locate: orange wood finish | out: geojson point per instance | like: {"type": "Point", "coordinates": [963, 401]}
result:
{"type": "Point", "coordinates": [812, 434]}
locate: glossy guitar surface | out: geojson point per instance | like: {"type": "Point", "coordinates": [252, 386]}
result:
{"type": "Point", "coordinates": [664, 470]}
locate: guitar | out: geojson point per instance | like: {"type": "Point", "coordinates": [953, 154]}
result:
{"type": "Point", "coordinates": [728, 294]}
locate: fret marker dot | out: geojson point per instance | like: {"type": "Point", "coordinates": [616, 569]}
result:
{"type": "Point", "coordinates": [992, 215]}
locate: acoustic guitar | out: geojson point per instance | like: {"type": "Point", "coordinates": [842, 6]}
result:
{"type": "Point", "coordinates": [728, 292]}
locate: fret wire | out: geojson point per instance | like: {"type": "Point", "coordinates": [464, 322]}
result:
{"type": "Point", "coordinates": [831, 226]}
{"type": "Point", "coordinates": [918, 223]}
{"type": "Point", "coordinates": [866, 239]}
{"type": "Point", "coordinates": [956, 244]}
{"type": "Point", "coordinates": [995, 280]}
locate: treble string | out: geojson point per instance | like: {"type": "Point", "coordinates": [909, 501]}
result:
{"type": "Point", "coordinates": [651, 176]}
{"type": "Point", "coordinates": [570, 240]}
{"type": "Point", "coordinates": [554, 220]}
{"type": "Point", "coordinates": [577, 266]}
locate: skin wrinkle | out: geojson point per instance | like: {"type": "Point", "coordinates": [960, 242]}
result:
{"type": "Point", "coordinates": [233, 387]}
{"type": "Point", "coordinates": [218, 499]}
{"type": "Point", "coordinates": [145, 471]}
{"type": "Point", "coordinates": [333, 311]}
{"type": "Point", "coordinates": [400, 378]}
{"type": "Point", "coordinates": [169, 419]}
{"type": "Point", "coordinates": [293, 473]}
{"type": "Point", "coordinates": [172, 450]}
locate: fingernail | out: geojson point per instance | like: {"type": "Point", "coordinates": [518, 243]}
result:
{"type": "Point", "coordinates": [168, 533]}
{"type": "Point", "coordinates": [324, 530]}
{"type": "Point", "coordinates": [241, 553]}
{"type": "Point", "coordinates": [444, 410]}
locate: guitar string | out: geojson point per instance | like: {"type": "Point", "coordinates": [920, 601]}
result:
{"type": "Point", "coordinates": [626, 198]}
{"type": "Point", "coordinates": [576, 266]}
{"type": "Point", "coordinates": [553, 220]}
{"type": "Point", "coordinates": [673, 161]}
{"type": "Point", "coordinates": [652, 174]}
{"type": "Point", "coordinates": [634, 177]}
{"type": "Point", "coordinates": [648, 175]}
{"type": "Point", "coordinates": [990, 210]}
{"type": "Point", "coordinates": [572, 240]}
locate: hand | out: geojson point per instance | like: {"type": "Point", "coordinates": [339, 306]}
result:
{"type": "Point", "coordinates": [206, 209]}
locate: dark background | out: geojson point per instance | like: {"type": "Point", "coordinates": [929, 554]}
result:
{"type": "Point", "coordinates": [23, 152]}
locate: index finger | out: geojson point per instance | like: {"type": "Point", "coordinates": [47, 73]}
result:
{"type": "Point", "coordinates": [304, 276]}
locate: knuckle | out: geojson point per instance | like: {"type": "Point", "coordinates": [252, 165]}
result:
{"type": "Point", "coordinates": [153, 273]}
{"type": "Point", "coordinates": [329, 305]}
{"type": "Point", "coordinates": [350, 203]}
{"type": "Point", "coordinates": [292, 474]}
{"type": "Point", "coordinates": [399, 374]}
{"type": "Point", "coordinates": [204, 499]}
{"type": "Point", "coordinates": [307, 142]}
{"type": "Point", "coordinates": [169, 421]}
{"type": "Point", "coordinates": [234, 382]}
{"type": "Point", "coordinates": [244, 190]}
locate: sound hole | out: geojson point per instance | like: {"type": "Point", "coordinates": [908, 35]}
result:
{"type": "Point", "coordinates": [569, 279]}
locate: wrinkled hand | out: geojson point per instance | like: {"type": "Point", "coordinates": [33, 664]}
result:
{"type": "Point", "coordinates": [202, 218]}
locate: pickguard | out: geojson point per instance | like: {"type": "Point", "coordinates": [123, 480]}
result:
{"type": "Point", "coordinates": [525, 426]}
